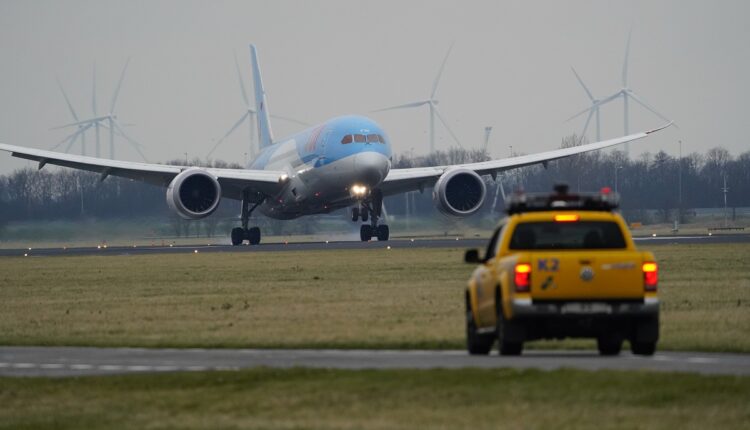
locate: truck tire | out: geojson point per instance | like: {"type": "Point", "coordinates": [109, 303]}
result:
{"type": "Point", "coordinates": [506, 346]}
{"type": "Point", "coordinates": [609, 344]}
{"type": "Point", "coordinates": [477, 343]}
{"type": "Point", "coordinates": [643, 348]}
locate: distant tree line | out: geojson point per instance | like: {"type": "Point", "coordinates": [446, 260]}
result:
{"type": "Point", "coordinates": [649, 182]}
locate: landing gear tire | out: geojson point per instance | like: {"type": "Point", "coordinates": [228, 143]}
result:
{"type": "Point", "coordinates": [609, 344]}
{"type": "Point", "coordinates": [364, 214]}
{"type": "Point", "coordinates": [383, 232]}
{"type": "Point", "coordinates": [253, 235]}
{"type": "Point", "coordinates": [238, 235]}
{"type": "Point", "coordinates": [365, 233]}
{"type": "Point", "coordinates": [355, 214]}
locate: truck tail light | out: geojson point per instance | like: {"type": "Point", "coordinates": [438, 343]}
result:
{"type": "Point", "coordinates": [650, 276]}
{"type": "Point", "coordinates": [523, 277]}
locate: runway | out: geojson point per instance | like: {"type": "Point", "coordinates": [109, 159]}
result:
{"type": "Point", "coordinates": [75, 361]}
{"type": "Point", "coordinates": [452, 242]}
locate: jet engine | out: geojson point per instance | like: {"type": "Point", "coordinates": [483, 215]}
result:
{"type": "Point", "coordinates": [194, 194]}
{"type": "Point", "coordinates": [459, 192]}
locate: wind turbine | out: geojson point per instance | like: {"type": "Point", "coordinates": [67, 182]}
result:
{"type": "Point", "coordinates": [625, 92]}
{"type": "Point", "coordinates": [248, 116]}
{"type": "Point", "coordinates": [432, 103]}
{"type": "Point", "coordinates": [593, 109]}
{"type": "Point", "coordinates": [108, 121]}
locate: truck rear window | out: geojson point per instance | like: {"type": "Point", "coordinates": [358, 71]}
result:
{"type": "Point", "coordinates": [574, 235]}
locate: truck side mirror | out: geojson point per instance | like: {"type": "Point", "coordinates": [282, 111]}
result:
{"type": "Point", "coordinates": [472, 256]}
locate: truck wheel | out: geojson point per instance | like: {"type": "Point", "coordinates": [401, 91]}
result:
{"type": "Point", "coordinates": [609, 344]}
{"type": "Point", "coordinates": [477, 343]}
{"type": "Point", "coordinates": [506, 347]}
{"type": "Point", "coordinates": [643, 348]}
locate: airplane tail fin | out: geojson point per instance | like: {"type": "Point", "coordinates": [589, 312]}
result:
{"type": "Point", "coordinates": [261, 103]}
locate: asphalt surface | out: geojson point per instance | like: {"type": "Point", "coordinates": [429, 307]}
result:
{"type": "Point", "coordinates": [337, 245]}
{"type": "Point", "coordinates": [76, 361]}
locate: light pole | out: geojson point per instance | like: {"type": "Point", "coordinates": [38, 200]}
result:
{"type": "Point", "coordinates": [679, 178]}
{"type": "Point", "coordinates": [186, 159]}
{"type": "Point", "coordinates": [616, 169]}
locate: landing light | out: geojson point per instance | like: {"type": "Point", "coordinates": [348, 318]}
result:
{"type": "Point", "coordinates": [359, 190]}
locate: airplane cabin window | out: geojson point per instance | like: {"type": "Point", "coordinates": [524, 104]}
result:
{"type": "Point", "coordinates": [372, 138]}
{"type": "Point", "coordinates": [360, 138]}
{"type": "Point", "coordinates": [347, 139]}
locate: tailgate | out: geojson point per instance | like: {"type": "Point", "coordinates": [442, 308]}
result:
{"type": "Point", "coordinates": [586, 275]}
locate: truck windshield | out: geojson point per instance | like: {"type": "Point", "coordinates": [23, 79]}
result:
{"type": "Point", "coordinates": [572, 235]}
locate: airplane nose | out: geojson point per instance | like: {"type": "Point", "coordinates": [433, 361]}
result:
{"type": "Point", "coordinates": [371, 168]}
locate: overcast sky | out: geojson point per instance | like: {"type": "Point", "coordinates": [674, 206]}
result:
{"type": "Point", "coordinates": [510, 68]}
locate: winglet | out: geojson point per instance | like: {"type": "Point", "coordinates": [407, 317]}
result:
{"type": "Point", "coordinates": [669, 124]}
{"type": "Point", "coordinates": [261, 103]}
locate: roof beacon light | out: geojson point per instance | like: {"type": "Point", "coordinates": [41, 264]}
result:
{"type": "Point", "coordinates": [566, 217]}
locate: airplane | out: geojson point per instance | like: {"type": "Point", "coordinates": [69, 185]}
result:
{"type": "Point", "coordinates": [343, 162]}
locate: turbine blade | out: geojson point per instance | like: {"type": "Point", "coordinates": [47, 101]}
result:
{"type": "Point", "coordinates": [231, 130]}
{"type": "Point", "coordinates": [597, 104]}
{"type": "Point", "coordinates": [85, 121]}
{"type": "Point", "coordinates": [119, 85]}
{"type": "Point", "coordinates": [68, 137]}
{"type": "Point", "coordinates": [286, 118]}
{"type": "Point", "coordinates": [440, 72]}
{"type": "Point", "coordinates": [241, 81]}
{"type": "Point", "coordinates": [67, 100]}
{"type": "Point", "coordinates": [137, 146]}
{"type": "Point", "coordinates": [403, 106]}
{"type": "Point", "coordinates": [646, 105]}
{"type": "Point", "coordinates": [440, 117]}
{"type": "Point", "coordinates": [75, 136]}
{"type": "Point", "coordinates": [586, 125]}
{"type": "Point", "coordinates": [580, 81]}
{"type": "Point", "coordinates": [588, 109]}
{"type": "Point", "coordinates": [625, 63]}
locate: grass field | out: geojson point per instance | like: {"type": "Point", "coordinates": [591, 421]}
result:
{"type": "Point", "coordinates": [394, 399]}
{"type": "Point", "coordinates": [377, 298]}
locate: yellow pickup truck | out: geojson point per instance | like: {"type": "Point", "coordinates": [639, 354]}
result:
{"type": "Point", "coordinates": [562, 265]}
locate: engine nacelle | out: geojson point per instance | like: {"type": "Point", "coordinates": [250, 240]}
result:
{"type": "Point", "coordinates": [459, 192]}
{"type": "Point", "coordinates": [194, 194]}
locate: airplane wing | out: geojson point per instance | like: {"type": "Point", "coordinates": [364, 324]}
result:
{"type": "Point", "coordinates": [233, 181]}
{"type": "Point", "coordinates": [418, 178]}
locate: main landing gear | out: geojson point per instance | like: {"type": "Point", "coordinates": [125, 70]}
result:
{"type": "Point", "coordinates": [371, 209]}
{"type": "Point", "coordinates": [240, 234]}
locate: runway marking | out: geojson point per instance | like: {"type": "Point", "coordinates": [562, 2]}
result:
{"type": "Point", "coordinates": [81, 366]}
{"type": "Point", "coordinates": [51, 366]}
{"type": "Point", "coordinates": [110, 367]}
{"type": "Point", "coordinates": [24, 365]}
{"type": "Point", "coordinates": [196, 368]}
{"type": "Point", "coordinates": [139, 368]}
{"type": "Point", "coordinates": [702, 360]}
{"type": "Point", "coordinates": [661, 358]}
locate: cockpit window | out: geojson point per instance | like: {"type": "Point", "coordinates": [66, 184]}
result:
{"type": "Point", "coordinates": [361, 138]}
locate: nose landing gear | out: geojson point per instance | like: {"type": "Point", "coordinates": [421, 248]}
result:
{"type": "Point", "coordinates": [240, 234]}
{"type": "Point", "coordinates": [371, 209]}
